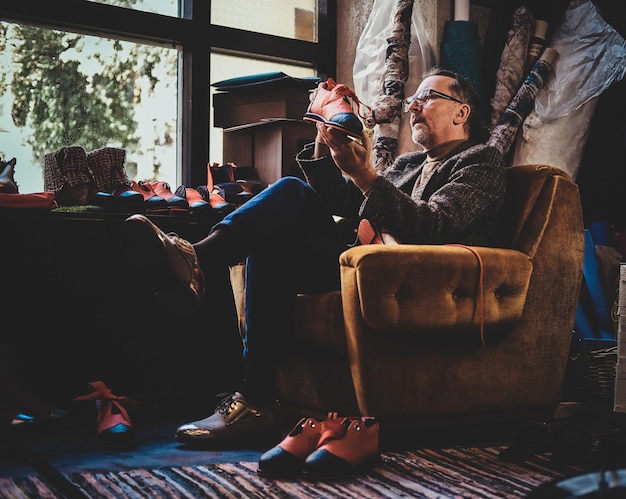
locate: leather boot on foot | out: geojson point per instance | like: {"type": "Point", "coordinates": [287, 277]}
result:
{"type": "Point", "coordinates": [170, 259]}
{"type": "Point", "coordinates": [234, 418]}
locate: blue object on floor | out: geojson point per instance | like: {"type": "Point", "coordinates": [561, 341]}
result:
{"type": "Point", "coordinates": [601, 314]}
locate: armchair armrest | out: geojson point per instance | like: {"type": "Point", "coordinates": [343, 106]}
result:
{"type": "Point", "coordinates": [429, 288]}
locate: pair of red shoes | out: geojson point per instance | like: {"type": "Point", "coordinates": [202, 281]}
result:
{"type": "Point", "coordinates": [333, 448]}
{"type": "Point", "coordinates": [114, 427]}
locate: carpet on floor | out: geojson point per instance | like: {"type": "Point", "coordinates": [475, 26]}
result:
{"type": "Point", "coordinates": [468, 472]}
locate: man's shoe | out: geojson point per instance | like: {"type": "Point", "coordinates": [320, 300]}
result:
{"type": "Point", "coordinates": [338, 106]}
{"type": "Point", "coordinates": [170, 259]}
{"type": "Point", "coordinates": [234, 418]}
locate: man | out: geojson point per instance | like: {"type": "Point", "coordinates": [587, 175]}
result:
{"type": "Point", "coordinates": [451, 192]}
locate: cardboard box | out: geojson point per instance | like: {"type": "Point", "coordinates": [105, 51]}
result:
{"type": "Point", "coordinates": [269, 146]}
{"type": "Point", "coordinates": [236, 108]}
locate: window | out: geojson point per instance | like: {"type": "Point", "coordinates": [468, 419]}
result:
{"type": "Point", "coordinates": [163, 7]}
{"type": "Point", "coordinates": [136, 74]}
{"type": "Point", "coordinates": [295, 19]}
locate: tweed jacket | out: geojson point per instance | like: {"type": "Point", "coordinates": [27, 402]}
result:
{"type": "Point", "coordinates": [457, 202]}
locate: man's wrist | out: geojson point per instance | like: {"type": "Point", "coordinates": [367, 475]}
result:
{"type": "Point", "coordinates": [321, 150]}
{"type": "Point", "coordinates": [365, 181]}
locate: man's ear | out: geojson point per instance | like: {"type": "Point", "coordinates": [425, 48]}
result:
{"type": "Point", "coordinates": [463, 114]}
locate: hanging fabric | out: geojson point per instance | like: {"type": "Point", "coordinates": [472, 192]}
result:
{"type": "Point", "coordinates": [592, 57]}
{"type": "Point", "coordinates": [513, 68]}
{"type": "Point", "coordinates": [392, 54]}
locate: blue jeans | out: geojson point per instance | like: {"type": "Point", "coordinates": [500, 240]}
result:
{"type": "Point", "coordinates": [292, 245]}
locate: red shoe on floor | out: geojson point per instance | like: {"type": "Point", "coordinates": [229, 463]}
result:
{"type": "Point", "coordinates": [287, 458]}
{"type": "Point", "coordinates": [340, 457]}
{"type": "Point", "coordinates": [338, 106]}
{"type": "Point", "coordinates": [113, 425]}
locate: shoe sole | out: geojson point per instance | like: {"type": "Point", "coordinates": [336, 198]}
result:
{"type": "Point", "coordinates": [362, 468]}
{"type": "Point", "coordinates": [148, 258]}
{"type": "Point", "coordinates": [262, 439]}
{"type": "Point", "coordinates": [352, 132]}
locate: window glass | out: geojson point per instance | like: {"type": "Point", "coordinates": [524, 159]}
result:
{"type": "Point", "coordinates": [163, 7]}
{"type": "Point", "coordinates": [294, 19]}
{"type": "Point", "coordinates": [60, 89]}
{"type": "Point", "coordinates": [224, 67]}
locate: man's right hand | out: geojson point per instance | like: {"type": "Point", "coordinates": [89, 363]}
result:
{"type": "Point", "coordinates": [351, 156]}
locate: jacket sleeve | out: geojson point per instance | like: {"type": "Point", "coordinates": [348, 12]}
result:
{"type": "Point", "coordinates": [342, 197]}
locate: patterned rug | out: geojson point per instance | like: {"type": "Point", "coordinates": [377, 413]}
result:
{"type": "Point", "coordinates": [468, 472]}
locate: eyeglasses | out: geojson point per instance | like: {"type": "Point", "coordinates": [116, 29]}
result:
{"type": "Point", "coordinates": [424, 96]}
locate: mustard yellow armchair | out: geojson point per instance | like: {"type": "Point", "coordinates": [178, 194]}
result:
{"type": "Point", "coordinates": [411, 336]}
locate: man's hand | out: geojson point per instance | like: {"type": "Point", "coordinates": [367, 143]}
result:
{"type": "Point", "coordinates": [352, 157]}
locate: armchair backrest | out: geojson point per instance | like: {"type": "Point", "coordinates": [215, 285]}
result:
{"type": "Point", "coordinates": [541, 201]}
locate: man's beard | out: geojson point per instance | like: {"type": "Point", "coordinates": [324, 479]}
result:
{"type": "Point", "coordinates": [421, 136]}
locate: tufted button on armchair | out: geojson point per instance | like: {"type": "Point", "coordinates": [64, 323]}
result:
{"type": "Point", "coordinates": [411, 335]}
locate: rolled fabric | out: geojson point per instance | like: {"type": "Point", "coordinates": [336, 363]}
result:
{"type": "Point", "coordinates": [461, 52]}
{"type": "Point", "coordinates": [504, 132]}
{"type": "Point", "coordinates": [537, 42]}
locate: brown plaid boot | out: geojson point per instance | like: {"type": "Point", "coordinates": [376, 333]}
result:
{"type": "Point", "coordinates": [112, 188]}
{"type": "Point", "coordinates": [66, 174]}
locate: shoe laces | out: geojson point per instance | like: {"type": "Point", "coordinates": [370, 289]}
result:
{"type": "Point", "coordinates": [145, 186]}
{"type": "Point", "coordinates": [350, 97]}
{"type": "Point", "coordinates": [225, 405]}
{"type": "Point", "coordinates": [103, 394]}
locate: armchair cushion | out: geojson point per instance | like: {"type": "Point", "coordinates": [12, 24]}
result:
{"type": "Point", "coordinates": [417, 289]}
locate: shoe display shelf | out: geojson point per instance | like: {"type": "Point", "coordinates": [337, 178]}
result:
{"type": "Point", "coordinates": [269, 146]}
{"type": "Point", "coordinates": [262, 120]}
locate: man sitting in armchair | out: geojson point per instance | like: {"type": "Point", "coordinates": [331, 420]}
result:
{"type": "Point", "coordinates": [450, 192]}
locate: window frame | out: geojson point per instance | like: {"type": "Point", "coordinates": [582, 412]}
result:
{"type": "Point", "coordinates": [193, 34]}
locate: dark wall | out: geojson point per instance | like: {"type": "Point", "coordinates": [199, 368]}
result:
{"type": "Point", "coordinates": [75, 312]}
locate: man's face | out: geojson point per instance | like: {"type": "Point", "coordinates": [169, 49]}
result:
{"type": "Point", "coordinates": [433, 115]}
